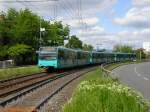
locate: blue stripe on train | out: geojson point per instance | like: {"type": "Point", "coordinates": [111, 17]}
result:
{"type": "Point", "coordinates": [46, 63]}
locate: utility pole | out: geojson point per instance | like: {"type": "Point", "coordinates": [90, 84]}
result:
{"type": "Point", "coordinates": [41, 30]}
{"type": "Point", "coordinates": [140, 54]}
{"type": "Point", "coordinates": [40, 34]}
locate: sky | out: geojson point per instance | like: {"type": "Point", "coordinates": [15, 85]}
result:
{"type": "Point", "coordinates": [101, 23]}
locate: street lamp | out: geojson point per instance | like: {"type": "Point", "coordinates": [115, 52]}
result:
{"type": "Point", "coordinates": [41, 30]}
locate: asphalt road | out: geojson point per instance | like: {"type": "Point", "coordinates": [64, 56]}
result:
{"type": "Point", "coordinates": [136, 76]}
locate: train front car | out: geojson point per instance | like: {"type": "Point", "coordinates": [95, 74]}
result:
{"type": "Point", "coordinates": [47, 58]}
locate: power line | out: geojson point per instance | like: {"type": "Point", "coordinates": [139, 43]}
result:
{"type": "Point", "coordinates": [10, 1]}
{"type": "Point", "coordinates": [80, 15]}
{"type": "Point", "coordinates": [23, 3]}
{"type": "Point", "coordinates": [70, 6]}
{"type": "Point", "coordinates": [68, 12]}
{"type": "Point", "coordinates": [55, 12]}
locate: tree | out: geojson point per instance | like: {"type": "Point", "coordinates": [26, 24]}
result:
{"type": "Point", "coordinates": [147, 55]}
{"type": "Point", "coordinates": [74, 43]}
{"type": "Point", "coordinates": [3, 52]}
{"type": "Point", "coordinates": [87, 47]}
{"type": "Point", "coordinates": [140, 53]}
{"type": "Point", "coordinates": [26, 29]}
{"type": "Point", "coordinates": [6, 24]}
{"type": "Point", "coordinates": [57, 33]}
{"type": "Point", "coordinates": [123, 49]}
{"type": "Point", "coordinates": [23, 27]}
{"type": "Point", "coordinates": [20, 53]}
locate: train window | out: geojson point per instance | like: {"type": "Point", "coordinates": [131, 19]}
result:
{"type": "Point", "coordinates": [61, 54]}
{"type": "Point", "coordinates": [66, 54]}
{"type": "Point", "coordinates": [79, 55]}
{"type": "Point", "coordinates": [72, 55]}
{"type": "Point", "coordinates": [51, 56]}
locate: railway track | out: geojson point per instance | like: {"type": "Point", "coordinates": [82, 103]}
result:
{"type": "Point", "coordinates": [41, 106]}
{"type": "Point", "coordinates": [33, 97]}
{"type": "Point", "coordinates": [13, 87]}
{"type": "Point", "coordinates": [19, 78]}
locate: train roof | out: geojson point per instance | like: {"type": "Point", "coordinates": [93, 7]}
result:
{"type": "Point", "coordinates": [79, 50]}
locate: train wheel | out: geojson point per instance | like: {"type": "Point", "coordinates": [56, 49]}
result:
{"type": "Point", "coordinates": [49, 69]}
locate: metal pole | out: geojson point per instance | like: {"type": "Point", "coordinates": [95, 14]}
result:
{"type": "Point", "coordinates": [140, 55]}
{"type": "Point", "coordinates": [40, 34]}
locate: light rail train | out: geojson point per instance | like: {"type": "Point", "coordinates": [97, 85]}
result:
{"type": "Point", "coordinates": [61, 57]}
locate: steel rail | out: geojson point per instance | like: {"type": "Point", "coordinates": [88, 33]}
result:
{"type": "Point", "coordinates": [13, 83]}
{"type": "Point", "coordinates": [41, 104]}
{"type": "Point", "coordinates": [16, 78]}
{"type": "Point", "coordinates": [21, 88]}
{"type": "Point", "coordinates": [35, 86]}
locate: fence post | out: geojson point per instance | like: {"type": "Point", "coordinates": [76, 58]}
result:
{"type": "Point", "coordinates": [3, 64]}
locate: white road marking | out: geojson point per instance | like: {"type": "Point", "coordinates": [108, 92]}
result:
{"type": "Point", "coordinates": [139, 75]}
{"type": "Point", "coordinates": [145, 78]}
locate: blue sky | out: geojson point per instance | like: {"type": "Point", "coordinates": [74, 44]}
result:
{"type": "Point", "coordinates": [118, 10]}
{"type": "Point", "coordinates": [105, 22]}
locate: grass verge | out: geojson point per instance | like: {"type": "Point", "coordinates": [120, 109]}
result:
{"type": "Point", "coordinates": [20, 71]}
{"type": "Point", "coordinates": [97, 93]}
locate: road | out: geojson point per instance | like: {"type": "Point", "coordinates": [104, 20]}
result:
{"type": "Point", "coordinates": [136, 76]}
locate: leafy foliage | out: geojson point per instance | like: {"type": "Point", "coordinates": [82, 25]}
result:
{"type": "Point", "coordinates": [123, 49]}
{"type": "Point", "coordinates": [20, 34]}
{"type": "Point", "coordinates": [19, 49]}
{"type": "Point", "coordinates": [74, 43]}
{"type": "Point", "coordinates": [57, 34]}
{"type": "Point", "coordinates": [148, 55]}
{"type": "Point", "coordinates": [19, 29]}
{"type": "Point", "coordinates": [87, 47]}
{"type": "Point", "coordinates": [3, 52]}
{"type": "Point", "coordinates": [140, 54]}
{"type": "Point", "coordinates": [19, 52]}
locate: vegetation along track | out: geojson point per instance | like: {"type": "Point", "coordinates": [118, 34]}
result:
{"type": "Point", "coordinates": [48, 89]}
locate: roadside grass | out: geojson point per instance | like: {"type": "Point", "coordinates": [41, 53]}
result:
{"type": "Point", "coordinates": [20, 71]}
{"type": "Point", "coordinates": [98, 93]}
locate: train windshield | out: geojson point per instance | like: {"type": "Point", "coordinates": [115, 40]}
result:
{"type": "Point", "coordinates": [48, 56]}
{"type": "Point", "coordinates": [47, 53]}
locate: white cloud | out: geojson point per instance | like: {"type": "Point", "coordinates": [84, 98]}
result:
{"type": "Point", "coordinates": [93, 31]}
{"type": "Point", "coordinates": [70, 12]}
{"type": "Point", "coordinates": [97, 35]}
{"type": "Point", "coordinates": [67, 11]}
{"type": "Point", "coordinates": [77, 23]}
{"type": "Point", "coordinates": [135, 38]}
{"type": "Point", "coordinates": [62, 7]}
{"type": "Point", "coordinates": [136, 17]}
{"type": "Point", "coordinates": [141, 2]}
{"type": "Point", "coordinates": [103, 41]}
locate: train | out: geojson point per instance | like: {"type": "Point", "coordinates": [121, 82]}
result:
{"type": "Point", "coordinates": [61, 57]}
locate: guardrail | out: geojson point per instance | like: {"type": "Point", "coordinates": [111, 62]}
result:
{"type": "Point", "coordinates": [112, 74]}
